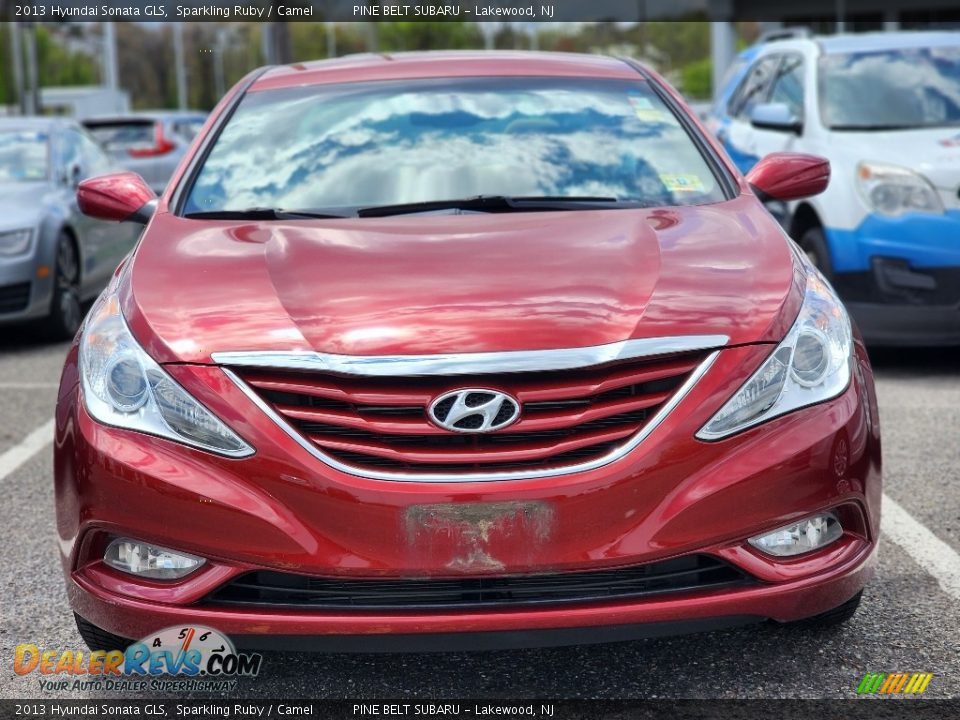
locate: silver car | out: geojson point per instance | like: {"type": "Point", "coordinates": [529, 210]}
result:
{"type": "Point", "coordinates": [150, 144]}
{"type": "Point", "coordinates": [52, 258]}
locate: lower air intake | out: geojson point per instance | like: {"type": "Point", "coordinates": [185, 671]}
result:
{"type": "Point", "coordinates": [277, 589]}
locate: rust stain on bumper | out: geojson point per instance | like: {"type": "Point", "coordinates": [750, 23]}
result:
{"type": "Point", "coordinates": [473, 537]}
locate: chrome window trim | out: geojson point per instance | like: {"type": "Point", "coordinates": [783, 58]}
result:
{"type": "Point", "coordinates": [470, 363]}
{"type": "Point", "coordinates": [435, 477]}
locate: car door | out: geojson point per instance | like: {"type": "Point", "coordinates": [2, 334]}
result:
{"type": "Point", "coordinates": [114, 239]}
{"type": "Point", "coordinates": [787, 88]}
{"type": "Point", "coordinates": [739, 136]}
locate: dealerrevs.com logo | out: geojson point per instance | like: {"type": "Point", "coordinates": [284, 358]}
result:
{"type": "Point", "coordinates": [188, 658]}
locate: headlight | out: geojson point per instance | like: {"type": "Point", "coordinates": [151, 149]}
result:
{"type": "Point", "coordinates": [15, 242]}
{"type": "Point", "coordinates": [893, 190]}
{"type": "Point", "coordinates": [124, 387]}
{"type": "Point", "coordinates": [811, 365]}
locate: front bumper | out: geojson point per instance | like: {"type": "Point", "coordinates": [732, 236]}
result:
{"type": "Point", "coordinates": [283, 510]}
{"type": "Point", "coordinates": [907, 325]}
{"type": "Point", "coordinates": [900, 277]}
{"type": "Point", "coordinates": [23, 296]}
{"type": "Point", "coordinates": [921, 239]}
{"type": "Point", "coordinates": [850, 566]}
{"type": "Point", "coordinates": [898, 304]}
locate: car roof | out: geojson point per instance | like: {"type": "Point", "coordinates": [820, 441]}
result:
{"type": "Point", "coordinates": [419, 65]}
{"type": "Point", "coordinates": [864, 42]}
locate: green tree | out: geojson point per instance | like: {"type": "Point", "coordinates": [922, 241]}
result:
{"type": "Point", "coordinates": [696, 79]}
{"type": "Point", "coordinates": [399, 36]}
{"type": "Point", "coordinates": [58, 65]}
{"type": "Point", "coordinates": [681, 43]}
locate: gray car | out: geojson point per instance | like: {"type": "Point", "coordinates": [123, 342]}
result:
{"type": "Point", "coordinates": [52, 258]}
{"type": "Point", "coordinates": [149, 143]}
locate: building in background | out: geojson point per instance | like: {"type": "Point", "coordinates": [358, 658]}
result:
{"type": "Point", "coordinates": [83, 101]}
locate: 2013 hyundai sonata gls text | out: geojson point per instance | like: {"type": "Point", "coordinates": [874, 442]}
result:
{"type": "Point", "coordinates": [462, 350]}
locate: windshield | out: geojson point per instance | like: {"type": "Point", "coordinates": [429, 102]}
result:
{"type": "Point", "coordinates": [891, 89]}
{"type": "Point", "coordinates": [118, 137]}
{"type": "Point", "coordinates": [23, 155]}
{"type": "Point", "coordinates": [385, 143]}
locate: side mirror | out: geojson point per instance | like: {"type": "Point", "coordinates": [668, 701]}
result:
{"type": "Point", "coordinates": [775, 116]}
{"type": "Point", "coordinates": [789, 176]}
{"type": "Point", "coordinates": [119, 197]}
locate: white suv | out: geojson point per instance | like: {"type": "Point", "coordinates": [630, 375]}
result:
{"type": "Point", "coordinates": [885, 109]}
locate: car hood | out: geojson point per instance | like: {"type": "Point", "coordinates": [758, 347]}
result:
{"type": "Point", "coordinates": [20, 204]}
{"type": "Point", "coordinates": [933, 152]}
{"type": "Point", "coordinates": [430, 284]}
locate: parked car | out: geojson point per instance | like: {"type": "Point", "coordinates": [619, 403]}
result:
{"type": "Point", "coordinates": [463, 349]}
{"type": "Point", "coordinates": [150, 144]}
{"type": "Point", "coordinates": [885, 108]}
{"type": "Point", "coordinates": [52, 258]}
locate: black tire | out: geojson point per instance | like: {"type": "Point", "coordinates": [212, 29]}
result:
{"type": "Point", "coordinates": [831, 618]}
{"type": "Point", "coordinates": [65, 311]}
{"type": "Point", "coordinates": [814, 244]}
{"type": "Point", "coordinates": [99, 639]}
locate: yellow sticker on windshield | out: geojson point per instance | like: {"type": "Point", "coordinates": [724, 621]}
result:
{"type": "Point", "coordinates": [652, 116]}
{"type": "Point", "coordinates": [682, 183]}
{"type": "Point", "coordinates": [644, 110]}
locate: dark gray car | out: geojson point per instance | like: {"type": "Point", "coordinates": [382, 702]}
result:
{"type": "Point", "coordinates": [52, 258]}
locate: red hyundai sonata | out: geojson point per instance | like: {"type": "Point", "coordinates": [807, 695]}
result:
{"type": "Point", "coordinates": [428, 351]}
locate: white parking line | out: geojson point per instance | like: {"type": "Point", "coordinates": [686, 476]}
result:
{"type": "Point", "coordinates": [28, 447]}
{"type": "Point", "coordinates": [927, 550]}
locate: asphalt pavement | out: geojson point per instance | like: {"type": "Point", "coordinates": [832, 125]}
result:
{"type": "Point", "coordinates": [909, 620]}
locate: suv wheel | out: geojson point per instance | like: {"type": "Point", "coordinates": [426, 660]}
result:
{"type": "Point", "coordinates": [814, 244]}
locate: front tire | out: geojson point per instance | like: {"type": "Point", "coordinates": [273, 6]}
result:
{"type": "Point", "coordinates": [97, 638]}
{"type": "Point", "coordinates": [831, 618]}
{"type": "Point", "coordinates": [65, 313]}
{"type": "Point", "coordinates": [814, 243]}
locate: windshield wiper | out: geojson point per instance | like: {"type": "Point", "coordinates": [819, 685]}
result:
{"type": "Point", "coordinates": [497, 203]}
{"type": "Point", "coordinates": [262, 213]}
{"type": "Point", "coordinates": [479, 203]}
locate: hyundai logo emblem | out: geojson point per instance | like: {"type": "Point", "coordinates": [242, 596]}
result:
{"type": "Point", "coordinates": [474, 410]}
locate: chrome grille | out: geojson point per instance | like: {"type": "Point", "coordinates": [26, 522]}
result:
{"type": "Point", "coordinates": [381, 423]}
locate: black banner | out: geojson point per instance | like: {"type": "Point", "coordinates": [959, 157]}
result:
{"type": "Point", "coordinates": [519, 11]}
{"type": "Point", "coordinates": [538, 709]}
{"type": "Point", "coordinates": [358, 10]}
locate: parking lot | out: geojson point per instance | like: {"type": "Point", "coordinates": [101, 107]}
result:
{"type": "Point", "coordinates": [909, 620]}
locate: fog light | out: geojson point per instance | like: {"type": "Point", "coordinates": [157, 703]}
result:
{"type": "Point", "coordinates": [149, 561]}
{"type": "Point", "coordinates": [800, 537]}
